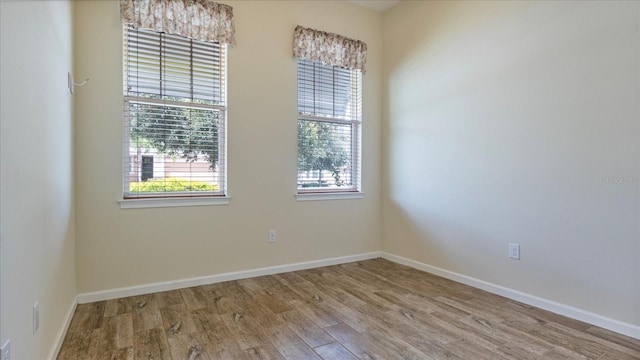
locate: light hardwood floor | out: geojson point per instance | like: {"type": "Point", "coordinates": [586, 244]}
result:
{"type": "Point", "coordinates": [372, 309]}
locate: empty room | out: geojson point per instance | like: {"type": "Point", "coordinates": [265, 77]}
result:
{"type": "Point", "coordinates": [310, 179]}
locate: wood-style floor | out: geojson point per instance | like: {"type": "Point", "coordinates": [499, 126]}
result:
{"type": "Point", "coordinates": [372, 309]}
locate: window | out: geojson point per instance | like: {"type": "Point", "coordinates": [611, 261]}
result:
{"type": "Point", "coordinates": [174, 116]}
{"type": "Point", "coordinates": [329, 118]}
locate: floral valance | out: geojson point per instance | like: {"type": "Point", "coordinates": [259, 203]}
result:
{"type": "Point", "coordinates": [329, 49]}
{"type": "Point", "coordinates": [196, 19]}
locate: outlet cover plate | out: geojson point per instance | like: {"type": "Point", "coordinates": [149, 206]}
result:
{"type": "Point", "coordinates": [514, 251]}
{"type": "Point", "coordinates": [5, 351]}
{"type": "Point", "coordinates": [36, 317]}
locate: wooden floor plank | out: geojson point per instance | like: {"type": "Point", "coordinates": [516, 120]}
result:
{"type": "Point", "coordinates": [81, 345]}
{"type": "Point", "coordinates": [117, 306]}
{"type": "Point", "coordinates": [124, 331]}
{"type": "Point", "coordinates": [228, 296]}
{"type": "Point", "coordinates": [511, 335]}
{"type": "Point", "coordinates": [167, 299]}
{"type": "Point", "coordinates": [465, 349]}
{"type": "Point", "coordinates": [145, 313]}
{"type": "Point", "coordinates": [614, 341]}
{"type": "Point", "coordinates": [177, 320]}
{"type": "Point", "coordinates": [273, 301]}
{"type": "Point", "coordinates": [320, 317]}
{"type": "Point", "coordinates": [397, 345]}
{"type": "Point", "coordinates": [617, 355]}
{"type": "Point", "coordinates": [108, 335]}
{"type": "Point", "coordinates": [118, 354]}
{"type": "Point", "coordinates": [83, 322]}
{"type": "Point", "coordinates": [564, 339]}
{"type": "Point", "coordinates": [190, 346]}
{"type": "Point", "coordinates": [289, 278]}
{"type": "Point", "coordinates": [195, 297]}
{"type": "Point", "coordinates": [151, 344]}
{"type": "Point", "coordinates": [246, 328]}
{"type": "Point", "coordinates": [290, 345]}
{"type": "Point", "coordinates": [334, 351]}
{"type": "Point", "coordinates": [93, 308]}
{"type": "Point", "coordinates": [363, 347]}
{"type": "Point", "coordinates": [372, 309]}
{"type": "Point", "coordinates": [264, 351]}
{"type": "Point", "coordinates": [306, 329]}
{"type": "Point", "coordinates": [219, 342]}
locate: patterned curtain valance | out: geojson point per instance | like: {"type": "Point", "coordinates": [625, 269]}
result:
{"type": "Point", "coordinates": [329, 49]}
{"type": "Point", "coordinates": [202, 20]}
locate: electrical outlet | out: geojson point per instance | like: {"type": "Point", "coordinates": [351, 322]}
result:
{"type": "Point", "coordinates": [70, 82]}
{"type": "Point", "coordinates": [272, 236]}
{"type": "Point", "coordinates": [36, 317]}
{"type": "Point", "coordinates": [514, 251]}
{"type": "Point", "coordinates": [5, 351]}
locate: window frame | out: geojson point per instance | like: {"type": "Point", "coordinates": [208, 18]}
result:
{"type": "Point", "coordinates": [353, 191]}
{"type": "Point", "coordinates": [164, 199]}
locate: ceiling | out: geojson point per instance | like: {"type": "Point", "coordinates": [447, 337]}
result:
{"type": "Point", "coordinates": [377, 5]}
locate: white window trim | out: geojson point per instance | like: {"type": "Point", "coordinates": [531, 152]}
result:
{"type": "Point", "coordinates": [173, 202]}
{"type": "Point", "coordinates": [346, 195]}
{"type": "Point", "coordinates": [355, 149]}
{"type": "Point", "coordinates": [219, 198]}
{"type": "Point", "coordinates": [354, 191]}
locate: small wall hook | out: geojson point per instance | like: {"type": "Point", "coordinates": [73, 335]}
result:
{"type": "Point", "coordinates": [71, 84]}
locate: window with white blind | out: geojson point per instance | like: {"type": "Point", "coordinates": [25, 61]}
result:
{"type": "Point", "coordinates": [329, 120]}
{"type": "Point", "coordinates": [174, 116]}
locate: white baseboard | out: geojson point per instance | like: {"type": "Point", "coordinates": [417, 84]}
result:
{"type": "Point", "coordinates": [212, 279]}
{"type": "Point", "coordinates": [545, 304]}
{"type": "Point", "coordinates": [57, 344]}
{"type": "Point", "coordinates": [555, 307]}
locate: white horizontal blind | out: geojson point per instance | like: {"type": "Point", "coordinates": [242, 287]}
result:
{"type": "Point", "coordinates": [329, 118]}
{"type": "Point", "coordinates": [174, 111]}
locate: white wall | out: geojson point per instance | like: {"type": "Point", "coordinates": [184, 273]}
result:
{"type": "Point", "coordinates": [36, 167]}
{"type": "Point", "coordinates": [118, 248]}
{"type": "Point", "coordinates": [502, 123]}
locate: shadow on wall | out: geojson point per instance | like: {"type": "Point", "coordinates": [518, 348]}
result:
{"type": "Point", "coordinates": [501, 121]}
{"type": "Point", "coordinates": [428, 237]}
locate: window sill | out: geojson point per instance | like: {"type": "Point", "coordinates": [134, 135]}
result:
{"type": "Point", "coordinates": [329, 196]}
{"type": "Point", "coordinates": [168, 202]}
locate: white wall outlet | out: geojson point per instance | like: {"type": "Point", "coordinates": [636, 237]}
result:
{"type": "Point", "coordinates": [514, 251]}
{"type": "Point", "coordinates": [36, 317]}
{"type": "Point", "coordinates": [272, 236]}
{"type": "Point", "coordinates": [5, 351]}
{"type": "Point", "coordinates": [70, 82]}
